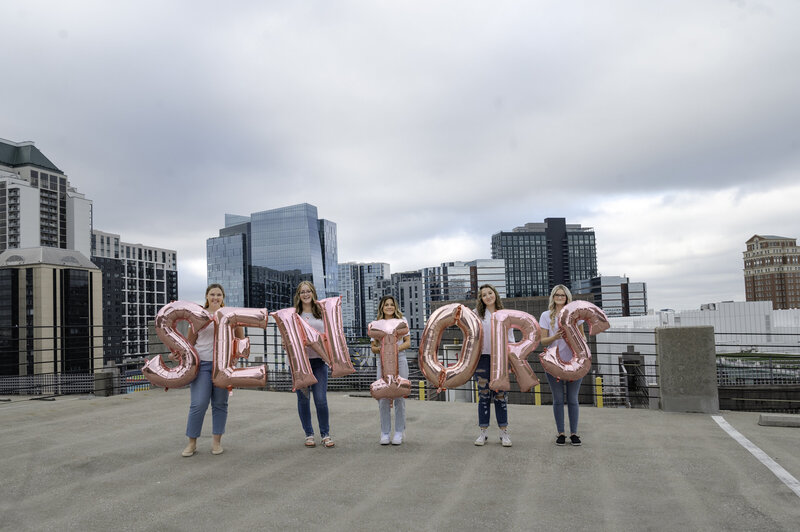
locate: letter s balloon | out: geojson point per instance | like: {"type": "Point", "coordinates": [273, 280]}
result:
{"type": "Point", "coordinates": [185, 372]}
{"type": "Point", "coordinates": [581, 362]}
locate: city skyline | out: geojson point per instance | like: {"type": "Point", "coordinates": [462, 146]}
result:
{"type": "Point", "coordinates": [671, 132]}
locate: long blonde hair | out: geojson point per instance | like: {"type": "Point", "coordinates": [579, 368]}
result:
{"type": "Point", "coordinates": [397, 313]}
{"type": "Point", "coordinates": [552, 303]}
{"type": "Point", "coordinates": [480, 306]}
{"type": "Point", "coordinates": [298, 305]}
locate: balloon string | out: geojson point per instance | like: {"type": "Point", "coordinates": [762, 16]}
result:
{"type": "Point", "coordinates": [442, 377]}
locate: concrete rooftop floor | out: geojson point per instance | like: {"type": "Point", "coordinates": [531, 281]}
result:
{"type": "Point", "coordinates": [113, 463]}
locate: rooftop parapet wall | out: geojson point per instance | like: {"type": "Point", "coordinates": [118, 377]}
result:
{"type": "Point", "coordinates": [687, 369]}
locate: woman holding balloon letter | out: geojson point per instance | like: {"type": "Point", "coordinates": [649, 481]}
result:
{"type": "Point", "coordinates": [489, 302]}
{"type": "Point", "coordinates": [560, 296]}
{"type": "Point", "coordinates": [202, 389]}
{"type": "Point", "coordinates": [387, 310]}
{"type": "Point", "coordinates": [308, 308]}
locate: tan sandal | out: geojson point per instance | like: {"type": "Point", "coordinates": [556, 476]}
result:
{"type": "Point", "coordinates": [189, 451]}
{"type": "Point", "coordinates": [327, 441]}
{"type": "Point", "coordinates": [310, 441]}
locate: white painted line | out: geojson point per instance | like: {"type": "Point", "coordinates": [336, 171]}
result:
{"type": "Point", "coordinates": [773, 466]}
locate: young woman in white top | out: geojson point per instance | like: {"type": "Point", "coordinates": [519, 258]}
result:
{"type": "Point", "coordinates": [202, 388]}
{"type": "Point", "coordinates": [305, 302]}
{"type": "Point", "coordinates": [559, 297]}
{"type": "Point", "coordinates": [387, 310]}
{"type": "Point", "coordinates": [489, 302]}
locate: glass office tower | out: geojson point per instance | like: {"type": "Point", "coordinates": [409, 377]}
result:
{"type": "Point", "coordinates": [280, 246]}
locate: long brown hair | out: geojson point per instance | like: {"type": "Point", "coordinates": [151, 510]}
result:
{"type": "Point", "coordinates": [480, 306]}
{"type": "Point", "coordinates": [210, 288]}
{"type": "Point", "coordinates": [298, 305]}
{"type": "Point", "coordinates": [397, 313]}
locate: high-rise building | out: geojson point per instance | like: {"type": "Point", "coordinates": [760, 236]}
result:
{"type": "Point", "coordinates": [539, 256]}
{"type": "Point", "coordinates": [617, 296]}
{"type": "Point", "coordinates": [38, 207]}
{"type": "Point", "coordinates": [51, 314]}
{"type": "Point", "coordinates": [772, 271]}
{"type": "Point", "coordinates": [409, 289]}
{"type": "Point", "coordinates": [461, 280]}
{"type": "Point", "coordinates": [261, 258]}
{"type": "Point", "coordinates": [361, 286]}
{"type": "Point", "coordinates": [137, 281]}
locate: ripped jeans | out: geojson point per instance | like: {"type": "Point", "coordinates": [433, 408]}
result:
{"type": "Point", "coordinates": [487, 396]}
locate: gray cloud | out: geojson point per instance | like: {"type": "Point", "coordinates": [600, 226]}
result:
{"type": "Point", "coordinates": [460, 118]}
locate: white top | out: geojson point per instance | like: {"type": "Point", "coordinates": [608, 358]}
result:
{"type": "Point", "coordinates": [205, 343]}
{"type": "Point", "coordinates": [487, 333]}
{"type": "Point", "coordinates": [564, 351]}
{"type": "Point", "coordinates": [401, 339]}
{"type": "Point", "coordinates": [318, 325]}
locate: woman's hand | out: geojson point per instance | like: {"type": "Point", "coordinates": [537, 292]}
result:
{"type": "Point", "coordinates": [174, 357]}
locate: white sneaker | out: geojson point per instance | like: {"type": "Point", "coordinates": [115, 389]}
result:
{"type": "Point", "coordinates": [384, 439]}
{"type": "Point", "coordinates": [505, 439]}
{"type": "Point", "coordinates": [398, 438]}
{"type": "Point", "coordinates": [484, 435]}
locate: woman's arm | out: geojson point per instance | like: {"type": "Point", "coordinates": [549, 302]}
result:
{"type": "Point", "coordinates": [238, 332]}
{"type": "Point", "coordinates": [405, 345]}
{"type": "Point", "coordinates": [547, 340]}
{"type": "Point", "coordinates": [375, 347]}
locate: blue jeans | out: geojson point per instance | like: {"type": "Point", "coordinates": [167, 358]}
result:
{"type": "Point", "coordinates": [385, 405]}
{"type": "Point", "coordinates": [487, 396]}
{"type": "Point", "coordinates": [557, 388]}
{"type": "Point", "coordinates": [319, 391]}
{"type": "Point", "coordinates": [202, 391]}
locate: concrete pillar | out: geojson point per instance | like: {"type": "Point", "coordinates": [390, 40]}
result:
{"type": "Point", "coordinates": [687, 369]}
{"type": "Point", "coordinates": [106, 382]}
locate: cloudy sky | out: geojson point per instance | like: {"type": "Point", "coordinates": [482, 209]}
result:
{"type": "Point", "coordinates": [422, 128]}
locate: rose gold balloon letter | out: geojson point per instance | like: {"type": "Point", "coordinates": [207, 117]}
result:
{"type": "Point", "coordinates": [581, 361]}
{"type": "Point", "coordinates": [296, 335]}
{"type": "Point", "coordinates": [505, 351]}
{"type": "Point", "coordinates": [457, 374]}
{"type": "Point", "coordinates": [185, 372]}
{"type": "Point", "coordinates": [227, 348]}
{"type": "Point", "coordinates": [338, 356]}
{"type": "Point", "coordinates": [390, 385]}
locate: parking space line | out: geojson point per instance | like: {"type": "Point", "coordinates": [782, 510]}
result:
{"type": "Point", "coordinates": [773, 466]}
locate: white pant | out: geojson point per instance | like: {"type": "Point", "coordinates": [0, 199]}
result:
{"type": "Point", "coordinates": [399, 404]}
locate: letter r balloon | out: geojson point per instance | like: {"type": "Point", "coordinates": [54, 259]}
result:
{"type": "Point", "coordinates": [506, 352]}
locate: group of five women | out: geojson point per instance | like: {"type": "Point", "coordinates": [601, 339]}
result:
{"type": "Point", "coordinates": [305, 301]}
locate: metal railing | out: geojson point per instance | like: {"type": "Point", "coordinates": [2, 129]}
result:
{"type": "Point", "coordinates": [756, 375]}
{"type": "Point", "coordinates": [624, 368]}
